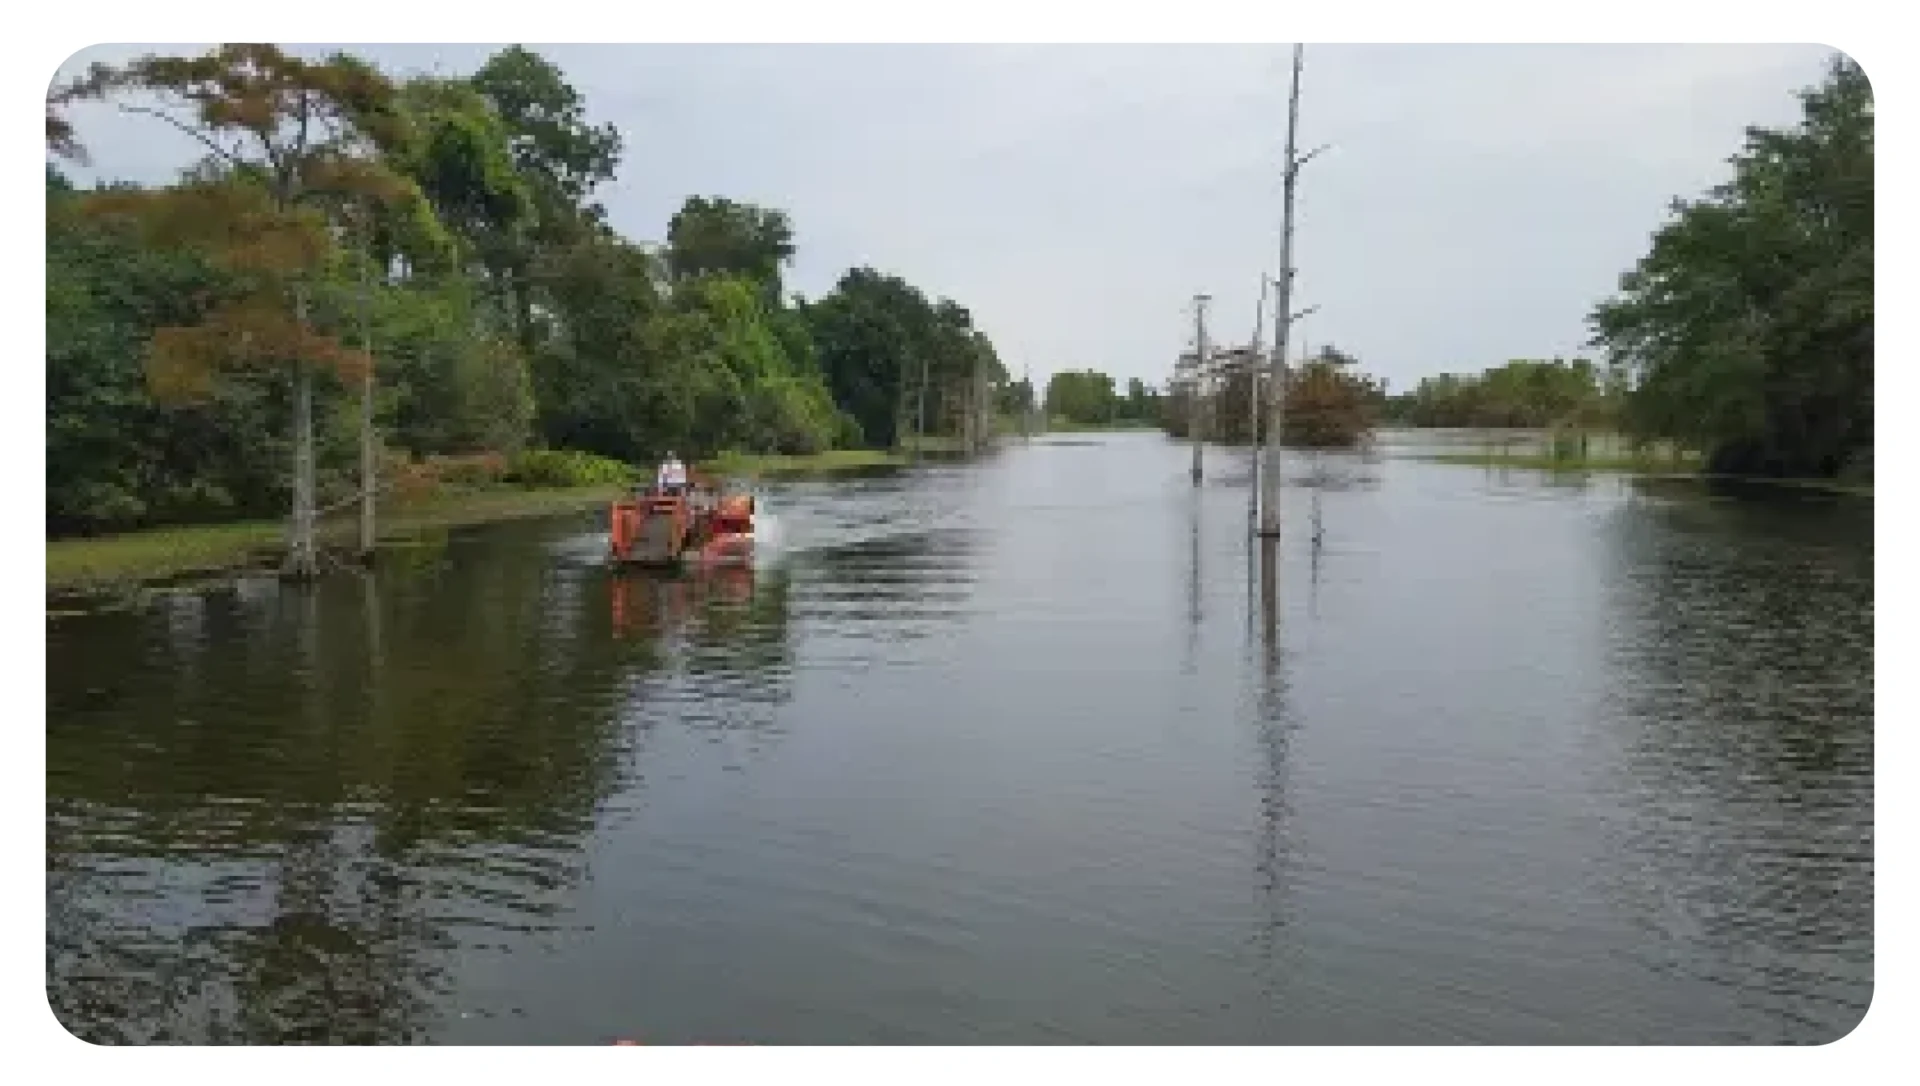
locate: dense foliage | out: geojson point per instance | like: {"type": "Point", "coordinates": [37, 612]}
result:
{"type": "Point", "coordinates": [444, 234]}
{"type": "Point", "coordinates": [1747, 329]}
{"type": "Point", "coordinates": [1522, 393]}
{"type": "Point", "coordinates": [1089, 398]}
{"type": "Point", "coordinates": [1327, 403]}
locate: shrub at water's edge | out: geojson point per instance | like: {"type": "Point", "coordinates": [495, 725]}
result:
{"type": "Point", "coordinates": [1328, 404]}
{"type": "Point", "coordinates": [568, 468]}
{"type": "Point", "coordinates": [738, 465]}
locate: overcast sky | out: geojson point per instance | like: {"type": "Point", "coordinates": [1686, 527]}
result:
{"type": "Point", "coordinates": [1474, 203]}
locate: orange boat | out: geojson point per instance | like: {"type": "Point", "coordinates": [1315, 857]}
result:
{"type": "Point", "coordinates": [697, 525]}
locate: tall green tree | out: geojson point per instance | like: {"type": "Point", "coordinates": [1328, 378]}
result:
{"type": "Point", "coordinates": [1747, 329]}
{"type": "Point", "coordinates": [611, 380]}
{"type": "Point", "coordinates": [459, 154]}
{"type": "Point", "coordinates": [1082, 396]}
{"type": "Point", "coordinates": [717, 236]}
{"type": "Point", "coordinates": [117, 457]}
{"type": "Point", "coordinates": [753, 397]}
{"type": "Point", "coordinates": [866, 332]}
{"type": "Point", "coordinates": [561, 158]}
{"type": "Point", "coordinates": [290, 142]}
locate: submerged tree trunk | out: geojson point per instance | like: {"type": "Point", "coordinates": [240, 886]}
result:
{"type": "Point", "coordinates": [303, 561]}
{"type": "Point", "coordinates": [920, 413]}
{"type": "Point", "coordinates": [982, 408]}
{"type": "Point", "coordinates": [900, 415]}
{"type": "Point", "coordinates": [967, 420]}
{"type": "Point", "coordinates": [367, 464]}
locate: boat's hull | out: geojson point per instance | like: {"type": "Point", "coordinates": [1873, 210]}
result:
{"type": "Point", "coordinates": [665, 531]}
{"type": "Point", "coordinates": [730, 548]}
{"type": "Point", "coordinates": [718, 552]}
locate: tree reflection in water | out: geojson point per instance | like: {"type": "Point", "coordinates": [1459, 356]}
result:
{"type": "Point", "coordinates": [277, 815]}
{"type": "Point", "coordinates": [1741, 740]}
{"type": "Point", "coordinates": [1273, 728]}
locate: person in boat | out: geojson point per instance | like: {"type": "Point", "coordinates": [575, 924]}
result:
{"type": "Point", "coordinates": [672, 479]}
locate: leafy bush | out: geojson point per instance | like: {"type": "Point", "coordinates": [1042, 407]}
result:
{"type": "Point", "coordinates": [476, 470]}
{"type": "Point", "coordinates": [1568, 444]}
{"type": "Point", "coordinates": [567, 467]}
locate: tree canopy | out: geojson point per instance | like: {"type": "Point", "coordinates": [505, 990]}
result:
{"type": "Point", "coordinates": [1747, 329]}
{"type": "Point", "coordinates": [1522, 393]}
{"type": "Point", "coordinates": [1328, 402]}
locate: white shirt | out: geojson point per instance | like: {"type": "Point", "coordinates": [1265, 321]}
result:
{"type": "Point", "coordinates": [673, 473]}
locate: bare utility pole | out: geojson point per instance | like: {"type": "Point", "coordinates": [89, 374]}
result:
{"type": "Point", "coordinates": [1284, 316]}
{"type": "Point", "coordinates": [1197, 408]}
{"type": "Point", "coordinates": [1254, 401]}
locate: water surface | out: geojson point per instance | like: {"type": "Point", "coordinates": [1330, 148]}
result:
{"type": "Point", "coordinates": [1009, 752]}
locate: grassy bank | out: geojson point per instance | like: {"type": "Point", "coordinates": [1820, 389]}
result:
{"type": "Point", "coordinates": [75, 565]}
{"type": "Point", "coordinates": [1062, 425]}
{"type": "Point", "coordinates": [1688, 466]}
{"type": "Point", "coordinates": [833, 461]}
{"type": "Point", "coordinates": [1541, 461]}
{"type": "Point", "coordinates": [755, 466]}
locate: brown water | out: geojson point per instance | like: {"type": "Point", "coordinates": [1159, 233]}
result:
{"type": "Point", "coordinates": [1004, 752]}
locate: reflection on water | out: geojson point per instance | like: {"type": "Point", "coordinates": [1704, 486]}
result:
{"type": "Point", "coordinates": [1041, 749]}
{"type": "Point", "coordinates": [1272, 727]}
{"type": "Point", "coordinates": [1745, 763]}
{"type": "Point", "coordinates": [272, 814]}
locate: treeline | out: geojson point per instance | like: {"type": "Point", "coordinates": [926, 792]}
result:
{"type": "Point", "coordinates": [426, 261]}
{"type": "Point", "coordinates": [1090, 398]}
{"type": "Point", "coordinates": [1746, 331]}
{"type": "Point", "coordinates": [1327, 403]}
{"type": "Point", "coordinates": [1523, 393]}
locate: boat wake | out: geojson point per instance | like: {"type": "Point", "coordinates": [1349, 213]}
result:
{"type": "Point", "coordinates": [767, 538]}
